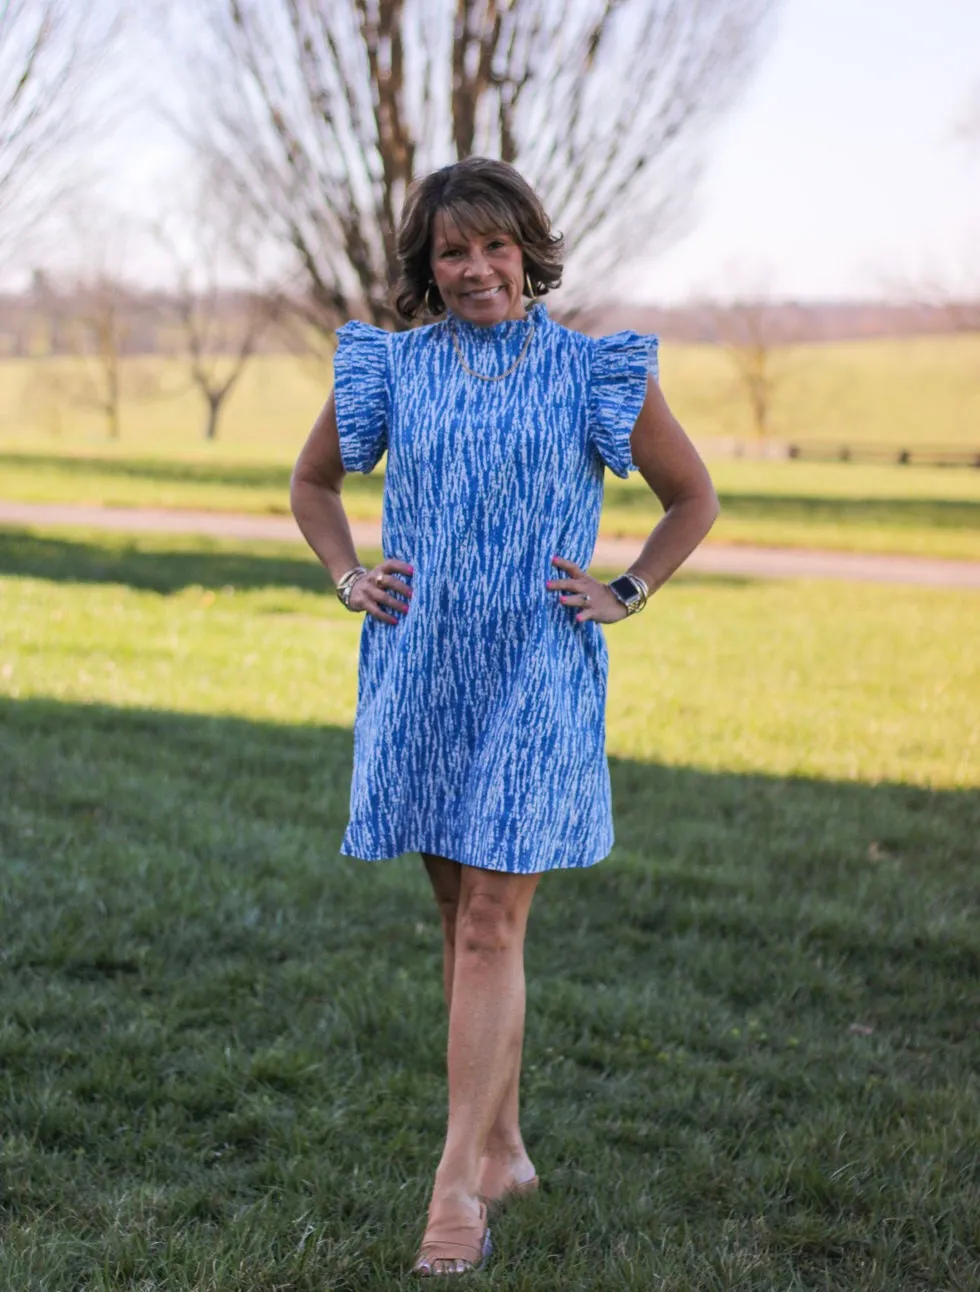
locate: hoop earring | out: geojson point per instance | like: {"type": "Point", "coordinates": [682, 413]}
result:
{"type": "Point", "coordinates": [528, 285]}
{"type": "Point", "coordinates": [427, 302]}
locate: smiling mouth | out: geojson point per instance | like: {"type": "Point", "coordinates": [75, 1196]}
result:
{"type": "Point", "coordinates": [484, 293]}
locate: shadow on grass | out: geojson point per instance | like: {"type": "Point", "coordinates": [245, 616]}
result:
{"type": "Point", "coordinates": [722, 838]}
{"type": "Point", "coordinates": [262, 477]}
{"type": "Point", "coordinates": [916, 513]}
{"type": "Point", "coordinates": [158, 563]}
{"type": "Point", "coordinates": [759, 1009]}
{"type": "Point", "coordinates": [166, 564]}
{"type": "Point", "coordinates": [241, 475]}
{"type": "Point", "coordinates": [160, 470]}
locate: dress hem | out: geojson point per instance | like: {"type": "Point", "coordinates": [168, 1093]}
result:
{"type": "Point", "coordinates": [476, 865]}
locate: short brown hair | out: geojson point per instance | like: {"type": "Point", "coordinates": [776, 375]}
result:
{"type": "Point", "coordinates": [480, 194]}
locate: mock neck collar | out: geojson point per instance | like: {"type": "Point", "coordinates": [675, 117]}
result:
{"type": "Point", "coordinates": [502, 331]}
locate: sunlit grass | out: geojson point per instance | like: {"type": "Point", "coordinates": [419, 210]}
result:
{"type": "Point", "coordinates": [919, 511]}
{"type": "Point", "coordinates": [897, 391]}
{"type": "Point", "coordinates": [752, 1048]}
{"type": "Point", "coordinates": [900, 392]}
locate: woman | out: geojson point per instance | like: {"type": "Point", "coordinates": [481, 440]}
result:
{"type": "Point", "coordinates": [479, 736]}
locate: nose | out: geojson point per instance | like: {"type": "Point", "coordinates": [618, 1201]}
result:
{"type": "Point", "coordinates": [476, 265]}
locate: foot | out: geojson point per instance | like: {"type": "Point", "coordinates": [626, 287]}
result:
{"type": "Point", "coordinates": [505, 1177]}
{"type": "Point", "coordinates": [456, 1240]}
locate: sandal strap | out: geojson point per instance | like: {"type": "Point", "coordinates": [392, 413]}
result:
{"type": "Point", "coordinates": [466, 1243]}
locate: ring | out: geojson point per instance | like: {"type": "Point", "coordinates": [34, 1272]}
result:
{"type": "Point", "coordinates": [379, 580]}
{"type": "Point", "coordinates": [586, 598]}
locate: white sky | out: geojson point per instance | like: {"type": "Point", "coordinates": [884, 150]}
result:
{"type": "Point", "coordinates": [838, 175]}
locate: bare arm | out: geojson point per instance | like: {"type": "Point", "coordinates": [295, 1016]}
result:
{"type": "Point", "coordinates": [314, 495]}
{"type": "Point", "coordinates": [671, 466]}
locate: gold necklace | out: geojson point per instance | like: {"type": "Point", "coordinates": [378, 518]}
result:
{"type": "Point", "coordinates": [482, 375]}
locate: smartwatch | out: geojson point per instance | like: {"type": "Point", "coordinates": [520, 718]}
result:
{"type": "Point", "coordinates": [632, 591]}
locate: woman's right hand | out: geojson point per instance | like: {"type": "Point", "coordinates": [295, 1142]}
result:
{"type": "Point", "coordinates": [373, 591]}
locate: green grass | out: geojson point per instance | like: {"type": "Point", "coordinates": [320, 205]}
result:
{"type": "Point", "coordinates": [225, 484]}
{"type": "Point", "coordinates": [268, 413]}
{"type": "Point", "coordinates": [887, 509]}
{"type": "Point", "coordinates": [909, 392]}
{"type": "Point", "coordinates": [904, 391]}
{"type": "Point", "coordinates": [926, 512]}
{"type": "Point", "coordinates": [752, 1049]}
{"type": "Point", "coordinates": [896, 391]}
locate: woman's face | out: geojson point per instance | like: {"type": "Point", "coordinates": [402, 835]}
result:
{"type": "Point", "coordinates": [479, 275]}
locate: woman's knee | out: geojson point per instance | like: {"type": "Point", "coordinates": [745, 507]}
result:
{"type": "Point", "coordinates": [489, 920]}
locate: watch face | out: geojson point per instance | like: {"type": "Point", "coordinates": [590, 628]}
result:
{"type": "Point", "coordinates": [625, 589]}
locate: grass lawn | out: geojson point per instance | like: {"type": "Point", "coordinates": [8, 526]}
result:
{"type": "Point", "coordinates": [896, 391]}
{"type": "Point", "coordinates": [752, 1048]}
{"type": "Point", "coordinates": [917, 511]}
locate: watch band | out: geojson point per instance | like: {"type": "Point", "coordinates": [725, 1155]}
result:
{"type": "Point", "coordinates": [632, 591]}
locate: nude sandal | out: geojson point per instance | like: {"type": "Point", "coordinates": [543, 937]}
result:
{"type": "Point", "coordinates": [449, 1250]}
{"type": "Point", "coordinates": [516, 1191]}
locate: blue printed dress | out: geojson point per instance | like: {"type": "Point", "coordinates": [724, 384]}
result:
{"type": "Point", "coordinates": [480, 726]}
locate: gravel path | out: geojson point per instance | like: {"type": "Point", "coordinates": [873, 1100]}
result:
{"type": "Point", "coordinates": [713, 558]}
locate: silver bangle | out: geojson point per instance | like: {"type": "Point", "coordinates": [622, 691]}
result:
{"type": "Point", "coordinates": [644, 586]}
{"type": "Point", "coordinates": [345, 586]}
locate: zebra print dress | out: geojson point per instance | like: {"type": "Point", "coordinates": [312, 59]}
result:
{"type": "Point", "coordinates": [480, 725]}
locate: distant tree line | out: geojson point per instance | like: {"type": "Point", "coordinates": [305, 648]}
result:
{"type": "Point", "coordinates": [47, 320]}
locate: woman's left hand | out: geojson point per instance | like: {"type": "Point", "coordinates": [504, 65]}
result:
{"type": "Point", "coordinates": [592, 599]}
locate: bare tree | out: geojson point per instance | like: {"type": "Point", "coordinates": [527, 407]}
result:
{"type": "Point", "coordinates": [103, 329]}
{"type": "Point", "coordinates": [97, 314]}
{"type": "Point", "coordinates": [215, 330]}
{"type": "Point", "coordinates": [320, 113]}
{"type": "Point", "coordinates": [755, 334]}
{"type": "Point", "coordinates": [218, 343]}
{"type": "Point", "coordinates": [51, 52]}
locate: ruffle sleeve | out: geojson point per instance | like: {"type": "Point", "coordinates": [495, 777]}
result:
{"type": "Point", "coordinates": [621, 364]}
{"type": "Point", "coordinates": [360, 377]}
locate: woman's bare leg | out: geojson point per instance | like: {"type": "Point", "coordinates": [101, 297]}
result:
{"type": "Point", "coordinates": [486, 1023]}
{"type": "Point", "coordinates": [504, 1162]}
{"type": "Point", "coordinates": [444, 877]}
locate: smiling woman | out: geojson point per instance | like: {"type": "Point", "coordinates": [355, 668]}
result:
{"type": "Point", "coordinates": [476, 239]}
{"type": "Point", "coordinates": [479, 739]}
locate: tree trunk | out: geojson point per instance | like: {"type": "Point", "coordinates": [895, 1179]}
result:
{"type": "Point", "coordinates": [111, 359]}
{"type": "Point", "coordinates": [112, 422]}
{"type": "Point", "coordinates": [214, 412]}
{"type": "Point", "coordinates": [318, 117]}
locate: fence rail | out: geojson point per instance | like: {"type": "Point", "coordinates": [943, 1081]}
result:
{"type": "Point", "coordinates": [923, 455]}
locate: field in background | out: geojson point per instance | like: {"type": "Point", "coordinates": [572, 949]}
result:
{"type": "Point", "coordinates": [752, 1048]}
{"type": "Point", "coordinates": [895, 391]}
